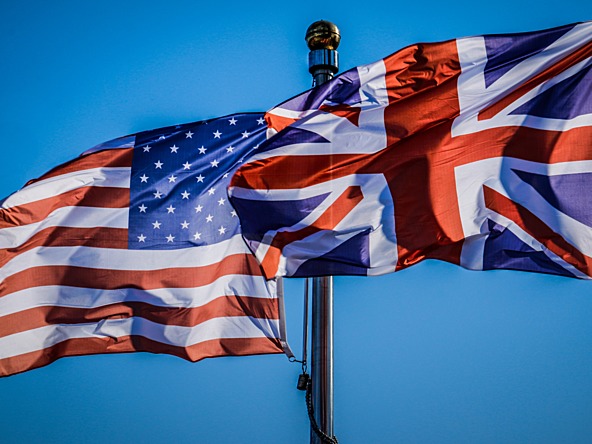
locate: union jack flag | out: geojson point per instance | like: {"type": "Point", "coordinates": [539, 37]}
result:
{"type": "Point", "coordinates": [475, 151]}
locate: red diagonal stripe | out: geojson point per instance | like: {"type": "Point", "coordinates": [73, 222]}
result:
{"type": "Point", "coordinates": [536, 228]}
{"type": "Point", "coordinates": [342, 206]}
{"type": "Point", "coordinates": [572, 59]}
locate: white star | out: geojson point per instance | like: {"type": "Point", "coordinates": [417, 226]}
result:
{"type": "Point", "coordinates": [158, 165]}
{"type": "Point", "coordinates": [197, 235]}
{"type": "Point", "coordinates": [142, 208]}
{"type": "Point", "coordinates": [225, 175]}
{"type": "Point", "coordinates": [221, 201]}
{"type": "Point", "coordinates": [184, 225]}
{"type": "Point", "coordinates": [143, 178]}
{"type": "Point", "coordinates": [233, 213]}
{"type": "Point", "coordinates": [171, 209]}
{"type": "Point", "coordinates": [202, 150]}
{"type": "Point", "coordinates": [200, 178]}
{"type": "Point", "coordinates": [185, 194]}
{"type": "Point", "coordinates": [156, 225]}
{"type": "Point", "coordinates": [232, 121]}
{"type": "Point", "coordinates": [260, 121]}
{"type": "Point", "coordinates": [214, 163]}
{"type": "Point", "coordinates": [186, 165]}
{"type": "Point", "coordinates": [198, 209]}
{"type": "Point", "coordinates": [210, 218]}
{"type": "Point", "coordinates": [170, 238]}
{"type": "Point", "coordinates": [211, 191]}
{"type": "Point", "coordinates": [217, 134]}
{"type": "Point", "coordinates": [221, 230]}
{"type": "Point", "coordinates": [174, 149]}
{"type": "Point", "coordinates": [161, 138]}
{"type": "Point", "coordinates": [189, 135]}
{"type": "Point", "coordinates": [147, 148]}
{"type": "Point", "coordinates": [158, 194]}
{"type": "Point", "coordinates": [172, 178]}
{"type": "Point", "coordinates": [141, 238]}
{"type": "Point", "coordinates": [230, 149]}
{"type": "Point", "coordinates": [256, 146]}
{"type": "Point", "coordinates": [246, 134]}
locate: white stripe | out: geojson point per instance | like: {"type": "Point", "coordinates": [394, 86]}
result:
{"type": "Point", "coordinates": [62, 296]}
{"type": "Point", "coordinates": [123, 259]}
{"type": "Point", "coordinates": [229, 327]}
{"type": "Point", "coordinates": [53, 186]}
{"type": "Point", "coordinates": [74, 217]}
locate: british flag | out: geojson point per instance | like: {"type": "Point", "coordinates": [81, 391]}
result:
{"type": "Point", "coordinates": [475, 151]}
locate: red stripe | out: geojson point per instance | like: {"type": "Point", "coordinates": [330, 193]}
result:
{"type": "Point", "coordinates": [180, 277]}
{"type": "Point", "coordinates": [127, 344]}
{"type": "Point", "coordinates": [95, 197]}
{"type": "Point", "coordinates": [108, 158]}
{"type": "Point", "coordinates": [291, 172]}
{"type": "Point", "coordinates": [342, 206]}
{"type": "Point", "coordinates": [538, 229]}
{"type": "Point", "coordinates": [224, 306]}
{"type": "Point", "coordinates": [99, 237]}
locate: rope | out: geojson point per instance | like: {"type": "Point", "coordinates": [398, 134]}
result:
{"type": "Point", "coordinates": [326, 439]}
{"type": "Point", "coordinates": [304, 380]}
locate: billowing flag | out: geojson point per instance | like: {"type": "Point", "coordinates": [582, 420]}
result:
{"type": "Point", "coordinates": [476, 151]}
{"type": "Point", "coordinates": [134, 247]}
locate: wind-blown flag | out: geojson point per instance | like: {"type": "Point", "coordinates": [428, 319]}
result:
{"type": "Point", "coordinates": [134, 247]}
{"type": "Point", "coordinates": [475, 151]}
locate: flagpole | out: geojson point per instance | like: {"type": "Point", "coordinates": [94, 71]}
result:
{"type": "Point", "coordinates": [323, 39]}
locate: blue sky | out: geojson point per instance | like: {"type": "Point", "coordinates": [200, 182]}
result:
{"type": "Point", "coordinates": [433, 354]}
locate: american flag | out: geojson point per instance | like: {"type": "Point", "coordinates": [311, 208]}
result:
{"type": "Point", "coordinates": [134, 247]}
{"type": "Point", "coordinates": [476, 151]}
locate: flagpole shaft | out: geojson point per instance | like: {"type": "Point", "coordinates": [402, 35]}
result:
{"type": "Point", "coordinates": [323, 39]}
{"type": "Point", "coordinates": [322, 355]}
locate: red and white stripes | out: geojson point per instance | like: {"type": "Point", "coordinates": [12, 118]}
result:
{"type": "Point", "coordinates": [69, 285]}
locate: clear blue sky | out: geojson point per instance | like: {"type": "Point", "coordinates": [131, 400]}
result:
{"type": "Point", "coordinates": [433, 354]}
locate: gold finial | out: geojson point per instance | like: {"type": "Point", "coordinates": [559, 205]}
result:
{"type": "Point", "coordinates": [322, 35]}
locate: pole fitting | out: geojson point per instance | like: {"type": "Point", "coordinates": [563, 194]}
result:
{"type": "Point", "coordinates": [323, 39]}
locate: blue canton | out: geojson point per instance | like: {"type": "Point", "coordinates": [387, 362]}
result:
{"type": "Point", "coordinates": [179, 179]}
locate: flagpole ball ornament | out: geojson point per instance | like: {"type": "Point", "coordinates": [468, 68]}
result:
{"type": "Point", "coordinates": [323, 38]}
{"type": "Point", "coordinates": [322, 35]}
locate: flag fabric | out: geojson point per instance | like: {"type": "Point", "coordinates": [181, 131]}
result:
{"type": "Point", "coordinates": [475, 151]}
{"type": "Point", "coordinates": [134, 246]}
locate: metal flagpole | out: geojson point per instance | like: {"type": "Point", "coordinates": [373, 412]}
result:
{"type": "Point", "coordinates": [323, 39]}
